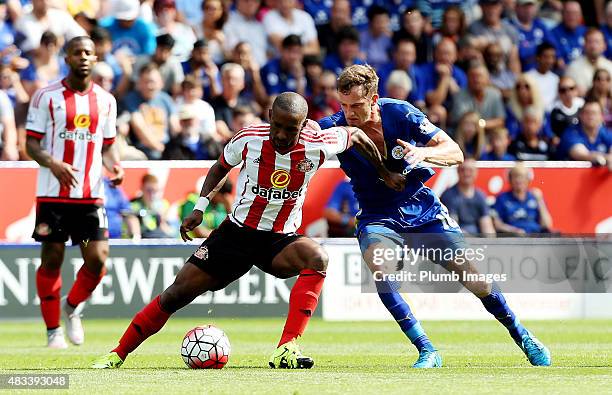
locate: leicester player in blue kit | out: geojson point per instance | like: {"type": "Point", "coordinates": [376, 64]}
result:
{"type": "Point", "coordinates": [396, 127]}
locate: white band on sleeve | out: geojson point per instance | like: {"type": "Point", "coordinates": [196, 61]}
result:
{"type": "Point", "coordinates": [202, 204]}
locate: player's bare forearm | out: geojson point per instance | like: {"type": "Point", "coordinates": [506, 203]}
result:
{"type": "Point", "coordinates": [110, 156]}
{"type": "Point", "coordinates": [443, 151]}
{"type": "Point", "coordinates": [110, 160]}
{"type": "Point", "coordinates": [214, 180]}
{"type": "Point", "coordinates": [35, 151]}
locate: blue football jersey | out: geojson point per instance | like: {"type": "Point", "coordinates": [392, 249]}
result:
{"type": "Point", "coordinates": [400, 120]}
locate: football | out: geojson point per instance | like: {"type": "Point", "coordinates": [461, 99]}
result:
{"type": "Point", "coordinates": [205, 347]}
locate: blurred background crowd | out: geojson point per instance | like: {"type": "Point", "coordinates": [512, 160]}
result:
{"type": "Point", "coordinates": [508, 79]}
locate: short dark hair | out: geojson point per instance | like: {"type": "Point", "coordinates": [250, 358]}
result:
{"type": "Point", "coordinates": [312, 60]}
{"type": "Point", "coordinates": [348, 33]}
{"type": "Point", "coordinates": [72, 42]}
{"type": "Point", "coordinates": [48, 37]}
{"type": "Point", "coordinates": [99, 34]}
{"type": "Point", "coordinates": [147, 68]}
{"type": "Point", "coordinates": [292, 40]}
{"type": "Point", "coordinates": [590, 100]}
{"type": "Point", "coordinates": [401, 37]}
{"type": "Point", "coordinates": [165, 40]}
{"type": "Point", "coordinates": [201, 43]}
{"type": "Point", "coordinates": [545, 46]}
{"type": "Point", "coordinates": [291, 102]}
{"type": "Point", "coordinates": [376, 10]}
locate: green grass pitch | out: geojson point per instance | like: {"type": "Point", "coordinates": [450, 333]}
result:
{"type": "Point", "coordinates": [350, 357]}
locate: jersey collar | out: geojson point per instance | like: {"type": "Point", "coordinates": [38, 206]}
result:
{"type": "Point", "coordinates": [84, 93]}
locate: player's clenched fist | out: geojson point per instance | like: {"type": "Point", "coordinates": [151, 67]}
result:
{"type": "Point", "coordinates": [189, 223]}
{"type": "Point", "coordinates": [64, 173]}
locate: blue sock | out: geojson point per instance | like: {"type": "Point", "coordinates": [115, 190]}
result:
{"type": "Point", "coordinates": [495, 303]}
{"type": "Point", "coordinates": [399, 309]}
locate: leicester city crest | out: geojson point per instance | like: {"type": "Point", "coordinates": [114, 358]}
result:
{"type": "Point", "coordinates": [397, 152]}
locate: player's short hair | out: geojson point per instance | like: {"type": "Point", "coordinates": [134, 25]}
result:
{"type": "Point", "coordinates": [291, 102]}
{"type": "Point", "coordinates": [73, 41]}
{"type": "Point", "coordinates": [358, 75]}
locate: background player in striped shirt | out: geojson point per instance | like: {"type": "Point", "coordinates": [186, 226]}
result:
{"type": "Point", "coordinates": [278, 162]}
{"type": "Point", "coordinates": [70, 131]}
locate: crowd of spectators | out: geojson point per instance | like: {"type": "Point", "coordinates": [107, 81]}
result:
{"type": "Point", "coordinates": [507, 79]}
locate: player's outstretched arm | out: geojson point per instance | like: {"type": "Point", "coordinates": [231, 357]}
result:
{"type": "Point", "coordinates": [441, 150]}
{"type": "Point", "coordinates": [61, 170]}
{"type": "Point", "coordinates": [214, 181]}
{"type": "Point", "coordinates": [367, 148]}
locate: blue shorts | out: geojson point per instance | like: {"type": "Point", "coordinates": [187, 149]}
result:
{"type": "Point", "coordinates": [422, 221]}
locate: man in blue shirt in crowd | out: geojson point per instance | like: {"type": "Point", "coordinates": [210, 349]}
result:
{"type": "Point", "coordinates": [348, 51]}
{"type": "Point", "coordinates": [341, 210]}
{"type": "Point", "coordinates": [441, 79]}
{"type": "Point", "coordinates": [286, 72]}
{"type": "Point", "coordinates": [532, 32]}
{"type": "Point", "coordinates": [521, 210]}
{"type": "Point", "coordinates": [130, 33]}
{"type": "Point", "coordinates": [388, 216]}
{"type": "Point", "coordinates": [569, 34]}
{"type": "Point", "coordinates": [589, 140]}
{"type": "Point", "coordinates": [466, 203]}
{"type": "Point", "coordinates": [404, 58]}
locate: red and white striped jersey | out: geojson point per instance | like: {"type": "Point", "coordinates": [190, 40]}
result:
{"type": "Point", "coordinates": [271, 187]}
{"type": "Point", "coordinates": [73, 126]}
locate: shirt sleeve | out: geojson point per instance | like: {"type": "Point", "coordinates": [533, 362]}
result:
{"type": "Point", "coordinates": [232, 153]}
{"type": "Point", "coordinates": [110, 128]}
{"type": "Point", "coordinates": [336, 140]}
{"type": "Point", "coordinates": [6, 108]}
{"type": "Point", "coordinates": [423, 129]}
{"type": "Point", "coordinates": [568, 141]}
{"type": "Point", "coordinates": [38, 113]}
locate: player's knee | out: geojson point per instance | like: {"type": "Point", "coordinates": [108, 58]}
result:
{"type": "Point", "coordinates": [318, 261]}
{"type": "Point", "coordinates": [52, 256]}
{"type": "Point", "coordinates": [172, 299]}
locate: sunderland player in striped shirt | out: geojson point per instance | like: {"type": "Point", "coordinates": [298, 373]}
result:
{"type": "Point", "coordinates": [70, 132]}
{"type": "Point", "coordinates": [278, 161]}
{"type": "Point", "coordinates": [414, 216]}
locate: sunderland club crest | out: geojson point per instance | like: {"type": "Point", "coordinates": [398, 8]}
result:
{"type": "Point", "coordinates": [202, 253]}
{"type": "Point", "coordinates": [305, 165]}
